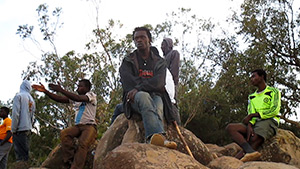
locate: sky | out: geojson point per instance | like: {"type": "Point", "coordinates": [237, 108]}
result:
{"type": "Point", "coordinates": [79, 17]}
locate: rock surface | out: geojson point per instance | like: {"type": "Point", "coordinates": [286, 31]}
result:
{"type": "Point", "coordinates": [123, 146]}
{"type": "Point", "coordinates": [147, 156]}
{"type": "Point", "coordinates": [228, 150]}
{"type": "Point", "coordinates": [131, 131]}
{"type": "Point", "coordinates": [266, 165]}
{"type": "Point", "coordinates": [225, 162]}
{"type": "Point", "coordinates": [55, 161]}
{"type": "Point", "coordinates": [284, 147]}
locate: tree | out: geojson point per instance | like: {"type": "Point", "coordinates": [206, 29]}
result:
{"type": "Point", "coordinates": [98, 64]}
{"type": "Point", "coordinates": [272, 27]}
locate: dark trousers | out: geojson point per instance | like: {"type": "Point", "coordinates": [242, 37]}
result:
{"type": "Point", "coordinates": [86, 135]}
{"type": "Point", "coordinates": [21, 145]}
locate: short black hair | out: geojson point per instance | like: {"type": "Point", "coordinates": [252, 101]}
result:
{"type": "Point", "coordinates": [87, 83]}
{"type": "Point", "coordinates": [261, 72]}
{"type": "Point", "coordinates": [142, 29]}
{"type": "Point", "coordinates": [6, 109]}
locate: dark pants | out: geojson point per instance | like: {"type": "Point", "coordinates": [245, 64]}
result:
{"type": "Point", "coordinates": [118, 110]}
{"type": "Point", "coordinates": [86, 135]}
{"type": "Point", "coordinates": [4, 151]}
{"type": "Point", "coordinates": [21, 145]}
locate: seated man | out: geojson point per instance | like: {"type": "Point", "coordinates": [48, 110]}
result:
{"type": "Point", "coordinates": [261, 122]}
{"type": "Point", "coordinates": [143, 75]}
{"type": "Point", "coordinates": [85, 125]}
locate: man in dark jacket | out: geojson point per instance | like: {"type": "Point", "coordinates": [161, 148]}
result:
{"type": "Point", "coordinates": [143, 76]}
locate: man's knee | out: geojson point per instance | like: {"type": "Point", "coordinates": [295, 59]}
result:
{"type": "Point", "coordinates": [142, 95]}
{"type": "Point", "coordinates": [143, 99]}
{"type": "Point", "coordinates": [63, 134]}
{"type": "Point", "coordinates": [230, 127]}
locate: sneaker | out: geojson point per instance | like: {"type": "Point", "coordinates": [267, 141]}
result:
{"type": "Point", "coordinates": [251, 156]}
{"type": "Point", "coordinates": [160, 140]}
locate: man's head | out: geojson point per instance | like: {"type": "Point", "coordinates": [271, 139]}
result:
{"type": "Point", "coordinates": [258, 76]}
{"type": "Point", "coordinates": [4, 111]}
{"type": "Point", "coordinates": [142, 38]}
{"type": "Point", "coordinates": [84, 86]}
{"type": "Point", "coordinates": [166, 45]}
{"type": "Point", "coordinates": [25, 86]}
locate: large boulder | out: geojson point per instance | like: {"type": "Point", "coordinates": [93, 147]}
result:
{"type": "Point", "coordinates": [199, 150]}
{"type": "Point", "coordinates": [266, 165]}
{"type": "Point", "coordinates": [284, 147]}
{"type": "Point", "coordinates": [55, 160]}
{"type": "Point", "coordinates": [225, 162]}
{"type": "Point", "coordinates": [228, 150]}
{"type": "Point", "coordinates": [147, 156]}
{"type": "Point", "coordinates": [125, 131]}
{"type": "Point", "coordinates": [112, 138]}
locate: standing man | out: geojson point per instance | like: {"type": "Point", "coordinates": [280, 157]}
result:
{"type": "Point", "coordinates": [172, 57]}
{"type": "Point", "coordinates": [143, 76]}
{"type": "Point", "coordinates": [85, 125]}
{"type": "Point", "coordinates": [5, 137]}
{"type": "Point", "coordinates": [261, 122]}
{"type": "Point", "coordinates": [22, 121]}
{"type": "Point", "coordinates": [173, 62]}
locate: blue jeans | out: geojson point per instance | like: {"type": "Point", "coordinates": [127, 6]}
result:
{"type": "Point", "coordinates": [118, 110]}
{"type": "Point", "coordinates": [21, 145]}
{"type": "Point", "coordinates": [151, 109]}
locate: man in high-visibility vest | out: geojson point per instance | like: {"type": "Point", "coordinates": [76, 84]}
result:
{"type": "Point", "coordinates": [261, 122]}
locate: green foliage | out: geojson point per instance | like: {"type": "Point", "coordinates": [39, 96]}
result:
{"type": "Point", "coordinates": [272, 28]}
{"type": "Point", "coordinates": [99, 65]}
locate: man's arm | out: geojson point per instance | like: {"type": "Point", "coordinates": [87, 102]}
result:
{"type": "Point", "coordinates": [129, 79]}
{"type": "Point", "coordinates": [249, 117]}
{"type": "Point", "coordinates": [8, 135]}
{"type": "Point", "coordinates": [41, 88]}
{"type": "Point", "coordinates": [72, 96]}
{"type": "Point", "coordinates": [15, 113]}
{"type": "Point", "coordinates": [174, 65]}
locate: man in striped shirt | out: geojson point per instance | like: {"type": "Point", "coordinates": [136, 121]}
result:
{"type": "Point", "coordinates": [85, 125]}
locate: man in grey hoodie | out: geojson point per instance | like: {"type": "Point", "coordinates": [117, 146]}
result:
{"type": "Point", "coordinates": [22, 120]}
{"type": "Point", "coordinates": [173, 62]}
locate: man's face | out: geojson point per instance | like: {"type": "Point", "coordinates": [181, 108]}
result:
{"type": "Point", "coordinates": [2, 113]}
{"type": "Point", "coordinates": [141, 40]}
{"type": "Point", "coordinates": [164, 47]}
{"type": "Point", "coordinates": [256, 79]}
{"type": "Point", "coordinates": [82, 89]}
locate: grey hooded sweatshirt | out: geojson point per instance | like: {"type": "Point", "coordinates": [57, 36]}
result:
{"type": "Point", "coordinates": [173, 60]}
{"type": "Point", "coordinates": [23, 109]}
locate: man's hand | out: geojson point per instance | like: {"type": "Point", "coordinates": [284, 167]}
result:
{"type": "Point", "coordinates": [40, 88]}
{"type": "Point", "coordinates": [250, 132]}
{"type": "Point", "coordinates": [130, 95]}
{"type": "Point", "coordinates": [249, 117]}
{"type": "Point", "coordinates": [55, 87]}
